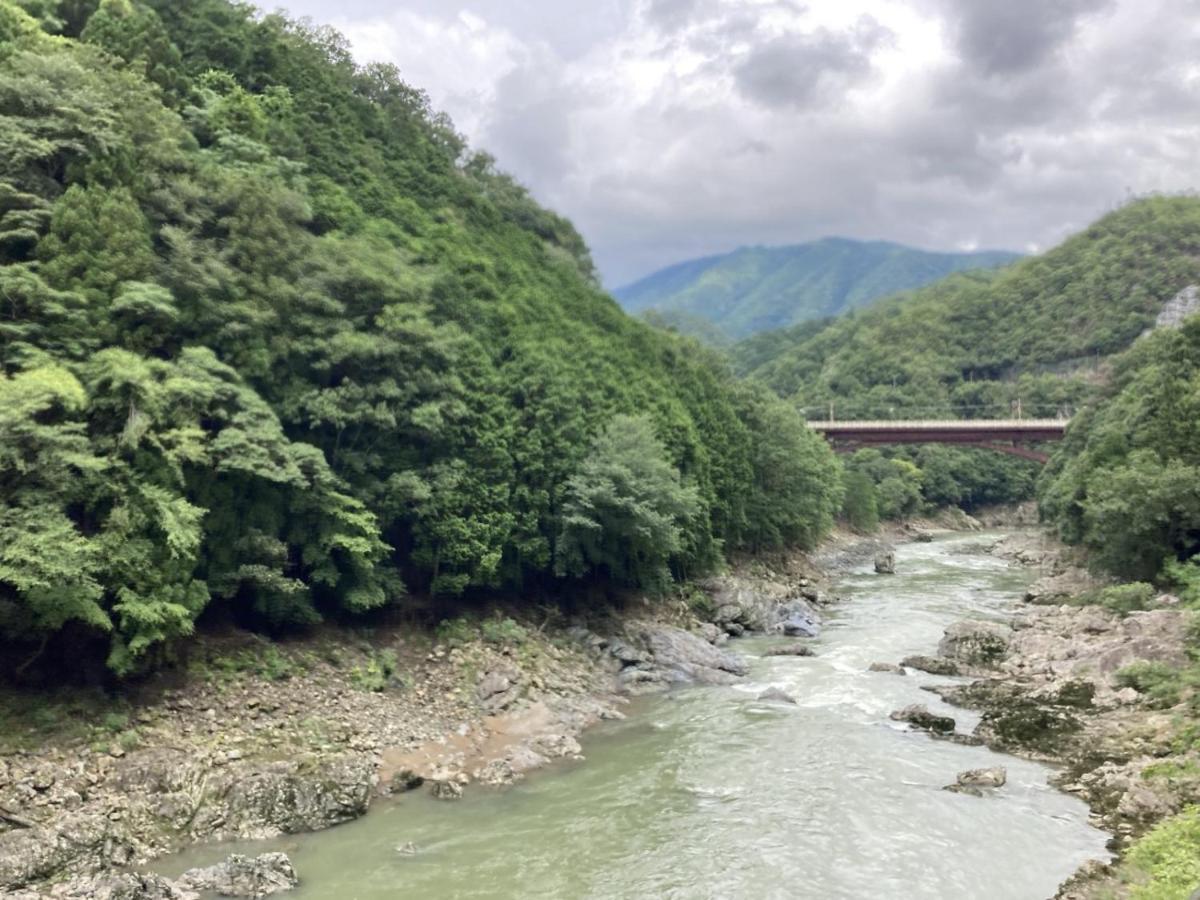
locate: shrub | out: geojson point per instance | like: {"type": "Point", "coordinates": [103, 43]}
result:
{"type": "Point", "coordinates": [1169, 858]}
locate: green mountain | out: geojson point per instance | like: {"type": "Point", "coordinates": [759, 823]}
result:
{"type": "Point", "coordinates": [975, 343]}
{"type": "Point", "coordinates": [275, 346]}
{"type": "Point", "coordinates": [757, 289]}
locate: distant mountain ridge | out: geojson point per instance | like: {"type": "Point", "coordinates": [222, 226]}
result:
{"type": "Point", "coordinates": [755, 289]}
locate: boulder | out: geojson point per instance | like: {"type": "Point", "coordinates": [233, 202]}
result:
{"type": "Point", "coordinates": [923, 537]}
{"type": "Point", "coordinates": [993, 777]}
{"type": "Point", "coordinates": [932, 664]}
{"type": "Point", "coordinates": [446, 789]}
{"type": "Point", "coordinates": [684, 658]}
{"type": "Point", "coordinates": [976, 643]}
{"type": "Point", "coordinates": [777, 695]}
{"type": "Point", "coordinates": [712, 633]}
{"type": "Point", "coordinates": [919, 717]}
{"type": "Point", "coordinates": [886, 667]}
{"type": "Point", "coordinates": [244, 876]}
{"type": "Point", "coordinates": [797, 618]}
{"type": "Point", "coordinates": [885, 562]}
{"type": "Point", "coordinates": [289, 797]}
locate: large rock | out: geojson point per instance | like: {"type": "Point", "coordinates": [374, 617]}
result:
{"type": "Point", "coordinates": [885, 562]}
{"type": "Point", "coordinates": [886, 667]}
{"type": "Point", "coordinates": [934, 665]}
{"type": "Point", "coordinates": [797, 618]}
{"type": "Point", "coordinates": [244, 876]}
{"type": "Point", "coordinates": [125, 886]}
{"type": "Point", "coordinates": [288, 797]}
{"type": "Point", "coordinates": [683, 657]}
{"type": "Point", "coordinates": [976, 643]}
{"type": "Point", "coordinates": [790, 650]}
{"type": "Point", "coordinates": [919, 716]}
{"type": "Point", "coordinates": [80, 845]}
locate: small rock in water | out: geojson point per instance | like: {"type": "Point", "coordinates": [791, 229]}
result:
{"type": "Point", "coordinates": [885, 562]}
{"type": "Point", "coordinates": [407, 849]}
{"type": "Point", "coordinates": [974, 781]}
{"type": "Point", "coordinates": [920, 717]}
{"type": "Point", "coordinates": [446, 789]}
{"type": "Point", "coordinates": [923, 537]}
{"type": "Point", "coordinates": [886, 667]}
{"type": "Point", "coordinates": [932, 664]}
{"type": "Point", "coordinates": [790, 650]}
{"type": "Point", "coordinates": [777, 695]}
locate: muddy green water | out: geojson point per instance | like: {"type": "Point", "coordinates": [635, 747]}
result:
{"type": "Point", "coordinates": [709, 793]}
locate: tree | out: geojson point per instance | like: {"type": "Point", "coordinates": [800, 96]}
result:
{"type": "Point", "coordinates": [626, 509]}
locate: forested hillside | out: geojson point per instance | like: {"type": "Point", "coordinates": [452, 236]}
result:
{"type": "Point", "coordinates": [1033, 339]}
{"type": "Point", "coordinates": [273, 341]}
{"type": "Point", "coordinates": [973, 344]}
{"type": "Point", "coordinates": [757, 289]}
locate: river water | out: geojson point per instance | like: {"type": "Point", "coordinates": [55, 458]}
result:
{"type": "Point", "coordinates": [710, 793]}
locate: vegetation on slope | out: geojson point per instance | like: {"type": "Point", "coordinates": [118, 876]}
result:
{"type": "Point", "coordinates": [973, 344]}
{"type": "Point", "coordinates": [1033, 339]}
{"type": "Point", "coordinates": [757, 289]}
{"type": "Point", "coordinates": [273, 341]}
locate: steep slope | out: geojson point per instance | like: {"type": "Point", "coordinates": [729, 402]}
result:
{"type": "Point", "coordinates": [756, 289]}
{"type": "Point", "coordinates": [273, 341]}
{"type": "Point", "coordinates": [976, 343]}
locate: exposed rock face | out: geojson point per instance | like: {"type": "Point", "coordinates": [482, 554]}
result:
{"type": "Point", "coordinates": [85, 843]}
{"type": "Point", "coordinates": [1185, 303]}
{"type": "Point", "coordinates": [921, 718]}
{"type": "Point", "coordinates": [280, 797]}
{"type": "Point", "coordinates": [885, 562]}
{"type": "Point", "coordinates": [976, 644]}
{"type": "Point", "coordinates": [243, 876]}
{"type": "Point", "coordinates": [127, 886]}
{"type": "Point", "coordinates": [683, 657]}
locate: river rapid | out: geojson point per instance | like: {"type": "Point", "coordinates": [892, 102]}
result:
{"type": "Point", "coordinates": [711, 793]}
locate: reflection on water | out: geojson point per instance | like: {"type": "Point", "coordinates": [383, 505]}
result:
{"type": "Point", "coordinates": [709, 793]}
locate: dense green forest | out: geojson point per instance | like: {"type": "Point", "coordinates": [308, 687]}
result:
{"type": "Point", "coordinates": [1126, 481]}
{"type": "Point", "coordinates": [1033, 339]}
{"type": "Point", "coordinates": [974, 344]}
{"type": "Point", "coordinates": [756, 289]}
{"type": "Point", "coordinates": [275, 342]}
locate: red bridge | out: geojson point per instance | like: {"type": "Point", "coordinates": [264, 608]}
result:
{"type": "Point", "coordinates": [1003, 435]}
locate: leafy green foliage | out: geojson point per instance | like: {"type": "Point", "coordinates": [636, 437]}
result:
{"type": "Point", "coordinates": [272, 339]}
{"type": "Point", "coordinates": [1165, 864]}
{"type": "Point", "coordinates": [1126, 481]}
{"type": "Point", "coordinates": [626, 513]}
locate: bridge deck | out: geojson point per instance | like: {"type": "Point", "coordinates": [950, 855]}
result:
{"type": "Point", "coordinates": [1046, 429]}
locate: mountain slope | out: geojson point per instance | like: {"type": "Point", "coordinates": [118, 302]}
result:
{"type": "Point", "coordinates": [757, 289]}
{"type": "Point", "coordinates": [275, 344]}
{"type": "Point", "coordinates": [975, 343]}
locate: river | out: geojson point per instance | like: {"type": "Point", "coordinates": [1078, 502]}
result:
{"type": "Point", "coordinates": [710, 793]}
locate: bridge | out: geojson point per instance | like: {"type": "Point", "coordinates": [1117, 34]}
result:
{"type": "Point", "coordinates": [1002, 435]}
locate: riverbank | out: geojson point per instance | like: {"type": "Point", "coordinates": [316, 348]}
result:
{"type": "Point", "coordinates": [1080, 686]}
{"type": "Point", "coordinates": [253, 739]}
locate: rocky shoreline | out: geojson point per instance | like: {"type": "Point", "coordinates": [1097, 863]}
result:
{"type": "Point", "coordinates": [260, 740]}
{"type": "Point", "coordinates": [1051, 685]}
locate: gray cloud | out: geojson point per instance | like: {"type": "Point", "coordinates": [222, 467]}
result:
{"type": "Point", "coordinates": [668, 129]}
{"type": "Point", "coordinates": [798, 70]}
{"type": "Point", "coordinates": [1001, 37]}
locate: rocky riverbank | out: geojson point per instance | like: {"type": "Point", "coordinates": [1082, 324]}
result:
{"type": "Point", "coordinates": [253, 740]}
{"type": "Point", "coordinates": [1058, 683]}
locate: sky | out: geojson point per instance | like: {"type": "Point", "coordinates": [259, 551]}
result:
{"type": "Point", "coordinates": [671, 129]}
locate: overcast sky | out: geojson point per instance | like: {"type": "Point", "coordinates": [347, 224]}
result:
{"type": "Point", "coordinates": [669, 129]}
